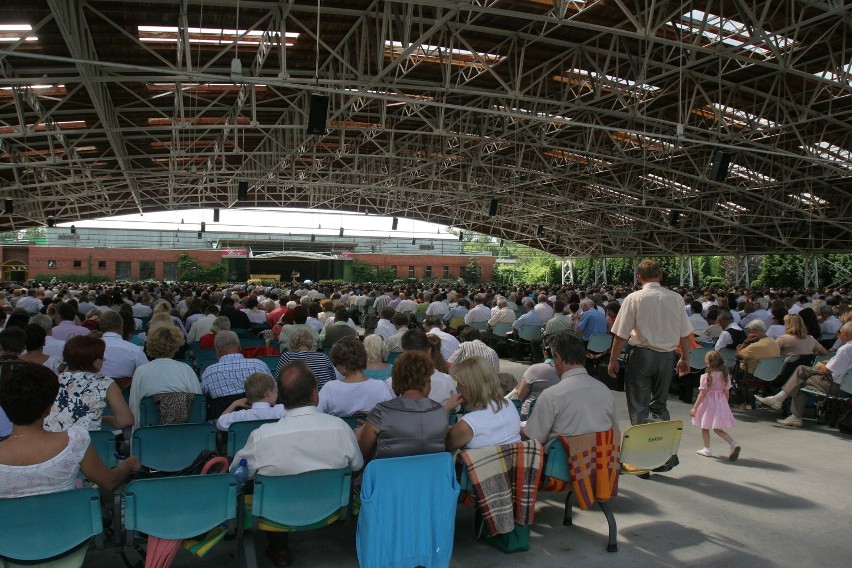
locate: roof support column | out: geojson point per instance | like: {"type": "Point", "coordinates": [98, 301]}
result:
{"type": "Point", "coordinates": [686, 271]}
{"type": "Point", "coordinates": [600, 270]}
{"type": "Point", "coordinates": [811, 271]}
{"type": "Point", "coordinates": [741, 275]}
{"type": "Point", "coordinates": [568, 275]}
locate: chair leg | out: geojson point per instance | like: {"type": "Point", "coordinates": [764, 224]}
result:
{"type": "Point", "coordinates": [567, 520]}
{"type": "Point", "coordinates": [611, 545]}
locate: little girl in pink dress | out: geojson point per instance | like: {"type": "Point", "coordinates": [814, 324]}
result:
{"type": "Point", "coordinates": [711, 409]}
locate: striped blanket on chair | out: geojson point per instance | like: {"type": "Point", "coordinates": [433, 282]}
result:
{"type": "Point", "coordinates": [505, 483]}
{"type": "Point", "coordinates": [594, 462]}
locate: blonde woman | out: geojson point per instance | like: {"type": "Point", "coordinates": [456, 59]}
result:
{"type": "Point", "coordinates": [376, 368]}
{"type": "Point", "coordinates": [796, 340]}
{"type": "Point", "coordinates": [490, 419]}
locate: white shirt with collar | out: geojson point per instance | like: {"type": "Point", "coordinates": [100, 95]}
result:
{"type": "Point", "coordinates": [200, 327]}
{"type": "Point", "coordinates": [479, 312]}
{"type": "Point", "coordinates": [261, 410]}
{"type": "Point", "coordinates": [121, 357]}
{"type": "Point", "coordinates": [304, 440]}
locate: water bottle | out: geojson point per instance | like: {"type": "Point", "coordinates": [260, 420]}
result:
{"type": "Point", "coordinates": [242, 473]}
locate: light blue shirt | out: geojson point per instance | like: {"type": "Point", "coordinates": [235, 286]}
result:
{"type": "Point", "coordinates": [592, 322]}
{"type": "Point", "coordinates": [529, 318]}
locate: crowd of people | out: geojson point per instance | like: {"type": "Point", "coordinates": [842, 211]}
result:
{"type": "Point", "coordinates": [68, 353]}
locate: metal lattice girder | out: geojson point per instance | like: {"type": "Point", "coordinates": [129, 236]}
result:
{"type": "Point", "coordinates": [741, 271]}
{"type": "Point", "coordinates": [601, 122]}
{"type": "Point", "coordinates": [568, 274]}
{"type": "Point", "coordinates": [686, 271]}
{"type": "Point", "coordinates": [811, 271]}
{"type": "Point", "coordinates": [600, 270]}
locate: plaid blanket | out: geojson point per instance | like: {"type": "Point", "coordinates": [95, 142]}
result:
{"type": "Point", "coordinates": [505, 482]}
{"type": "Point", "coordinates": [594, 463]}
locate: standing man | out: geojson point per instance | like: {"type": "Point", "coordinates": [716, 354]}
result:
{"type": "Point", "coordinates": [654, 321]}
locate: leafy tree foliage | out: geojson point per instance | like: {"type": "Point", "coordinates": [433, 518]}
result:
{"type": "Point", "coordinates": [192, 270]}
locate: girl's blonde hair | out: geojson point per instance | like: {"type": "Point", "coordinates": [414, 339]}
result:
{"type": "Point", "coordinates": [795, 326]}
{"type": "Point", "coordinates": [481, 381]}
{"type": "Point", "coordinates": [715, 362]}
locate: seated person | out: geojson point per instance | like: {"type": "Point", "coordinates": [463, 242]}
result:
{"type": "Point", "coordinates": [259, 403]}
{"type": "Point", "coordinates": [579, 404]}
{"type": "Point", "coordinates": [35, 461]}
{"type": "Point", "coordinates": [354, 393]}
{"type": "Point", "coordinates": [756, 346]}
{"type": "Point", "coordinates": [162, 374]}
{"type": "Point", "coordinates": [411, 424]}
{"type": "Point", "coordinates": [536, 378]}
{"type": "Point", "coordinates": [220, 323]}
{"type": "Point", "coordinates": [84, 392]}
{"type": "Point", "coordinates": [796, 341]}
{"type": "Point", "coordinates": [376, 368]}
{"type": "Point", "coordinates": [490, 420]}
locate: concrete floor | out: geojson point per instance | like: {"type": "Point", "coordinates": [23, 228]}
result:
{"type": "Point", "coordinates": [784, 503]}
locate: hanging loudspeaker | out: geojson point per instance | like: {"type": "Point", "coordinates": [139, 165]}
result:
{"type": "Point", "coordinates": [318, 114]}
{"type": "Point", "coordinates": [719, 166]}
{"type": "Point", "coordinates": [51, 221]}
{"type": "Point", "coordinates": [215, 215]}
{"type": "Point", "coordinates": [674, 218]}
{"type": "Point", "coordinates": [395, 223]}
{"type": "Point", "coordinates": [492, 207]}
{"type": "Point", "coordinates": [8, 207]}
{"type": "Point", "coordinates": [242, 191]}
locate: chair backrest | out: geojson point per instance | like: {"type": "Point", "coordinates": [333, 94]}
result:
{"type": "Point", "coordinates": [384, 535]}
{"type": "Point", "coordinates": [180, 507]}
{"type": "Point", "coordinates": [149, 412]}
{"type": "Point", "coordinates": [480, 325]}
{"type": "Point", "coordinates": [846, 384]}
{"type": "Point", "coordinates": [251, 342]}
{"type": "Point", "coordinates": [696, 358]}
{"type": "Point", "coordinates": [729, 355]}
{"type": "Point", "coordinates": [768, 369]}
{"type": "Point", "coordinates": [645, 447]}
{"type": "Point", "coordinates": [456, 323]}
{"type": "Point", "coordinates": [103, 441]}
{"type": "Point", "coordinates": [501, 329]}
{"type": "Point", "coordinates": [238, 433]}
{"type": "Point", "coordinates": [303, 499]}
{"type": "Point", "coordinates": [530, 332]}
{"type": "Point", "coordinates": [393, 356]}
{"type": "Point", "coordinates": [42, 526]}
{"type": "Point", "coordinates": [599, 343]}
{"type": "Point", "coordinates": [271, 361]}
{"type": "Point", "coordinates": [823, 358]}
{"type": "Point", "coordinates": [352, 421]}
{"type": "Point", "coordinates": [174, 446]}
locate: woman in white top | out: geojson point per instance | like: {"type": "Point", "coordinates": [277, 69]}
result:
{"type": "Point", "coordinates": [490, 420]}
{"type": "Point", "coordinates": [34, 461]}
{"type": "Point", "coordinates": [354, 393]}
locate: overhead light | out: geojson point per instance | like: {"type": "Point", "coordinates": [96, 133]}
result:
{"type": "Point", "coordinates": [236, 70]}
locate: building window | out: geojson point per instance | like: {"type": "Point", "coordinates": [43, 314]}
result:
{"type": "Point", "coordinates": [446, 272]}
{"type": "Point", "coordinates": [146, 270]}
{"type": "Point", "coordinates": [51, 264]}
{"type": "Point", "coordinates": [78, 264]}
{"type": "Point", "coordinates": [427, 272]}
{"type": "Point", "coordinates": [171, 271]}
{"type": "Point", "coordinates": [122, 270]}
{"type": "Point", "coordinates": [101, 264]}
{"type": "Point", "coordinates": [411, 272]}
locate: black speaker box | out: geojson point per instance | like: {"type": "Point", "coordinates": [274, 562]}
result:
{"type": "Point", "coordinates": [242, 191]}
{"type": "Point", "coordinates": [8, 207]}
{"type": "Point", "coordinates": [492, 207]}
{"type": "Point", "coordinates": [719, 166]}
{"type": "Point", "coordinates": [318, 114]}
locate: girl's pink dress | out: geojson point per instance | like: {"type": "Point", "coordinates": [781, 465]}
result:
{"type": "Point", "coordinates": [714, 411]}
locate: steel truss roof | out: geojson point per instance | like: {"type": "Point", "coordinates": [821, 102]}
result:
{"type": "Point", "coordinates": [594, 124]}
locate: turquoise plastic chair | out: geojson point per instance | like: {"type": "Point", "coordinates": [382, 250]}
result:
{"type": "Point", "coordinates": [302, 500]}
{"type": "Point", "coordinates": [352, 421]}
{"type": "Point", "coordinates": [179, 507]}
{"type": "Point", "coordinates": [251, 343]}
{"type": "Point", "coordinates": [271, 361]}
{"type": "Point", "coordinates": [599, 343]}
{"type": "Point", "coordinates": [393, 357]}
{"type": "Point", "coordinates": [172, 447]}
{"type": "Point", "coordinates": [501, 329]}
{"type": "Point", "coordinates": [103, 441]}
{"type": "Point", "coordinates": [480, 325]}
{"type": "Point", "coordinates": [238, 434]}
{"type": "Point", "coordinates": [43, 526]}
{"type": "Point", "coordinates": [696, 358]}
{"type": "Point", "coordinates": [149, 413]}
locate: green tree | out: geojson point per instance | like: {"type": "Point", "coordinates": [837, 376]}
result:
{"type": "Point", "coordinates": [473, 271]}
{"type": "Point", "coordinates": [362, 272]}
{"type": "Point", "coordinates": [192, 270]}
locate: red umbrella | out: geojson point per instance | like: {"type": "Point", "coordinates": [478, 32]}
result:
{"type": "Point", "coordinates": [160, 552]}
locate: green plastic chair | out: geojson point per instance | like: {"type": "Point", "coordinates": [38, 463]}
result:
{"type": "Point", "coordinates": [393, 357]}
{"type": "Point", "coordinates": [271, 361]}
{"type": "Point", "coordinates": [696, 358]}
{"type": "Point", "coordinates": [599, 343]}
{"type": "Point", "coordinates": [239, 432]}
{"type": "Point", "coordinates": [149, 413]}
{"type": "Point", "coordinates": [43, 526]}
{"type": "Point", "coordinates": [172, 447]}
{"type": "Point", "coordinates": [103, 441]}
{"type": "Point", "coordinates": [179, 507]}
{"type": "Point", "coordinates": [480, 325]}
